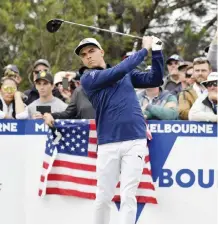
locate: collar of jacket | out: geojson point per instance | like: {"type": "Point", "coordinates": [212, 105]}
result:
{"type": "Point", "coordinates": [160, 92]}
{"type": "Point", "coordinates": [13, 107]}
{"type": "Point", "coordinates": [208, 103]}
{"type": "Point", "coordinates": [84, 68]}
{"type": "Point", "coordinates": [163, 95]}
{"type": "Point", "coordinates": [33, 89]}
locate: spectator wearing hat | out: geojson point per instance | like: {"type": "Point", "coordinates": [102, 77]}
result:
{"type": "Point", "coordinates": [205, 108]}
{"type": "Point", "coordinates": [79, 107]}
{"type": "Point", "coordinates": [32, 93]}
{"type": "Point", "coordinates": [39, 66]}
{"type": "Point", "coordinates": [182, 78]}
{"type": "Point", "coordinates": [212, 53]}
{"type": "Point", "coordinates": [44, 85]}
{"type": "Point", "coordinates": [11, 103]}
{"type": "Point", "coordinates": [13, 72]}
{"type": "Point", "coordinates": [65, 91]}
{"type": "Point", "coordinates": [172, 80]}
{"type": "Point", "coordinates": [201, 70]}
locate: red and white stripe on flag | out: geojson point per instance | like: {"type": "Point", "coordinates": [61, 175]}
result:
{"type": "Point", "coordinates": [76, 175]}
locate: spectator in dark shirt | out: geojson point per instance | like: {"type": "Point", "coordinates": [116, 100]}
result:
{"type": "Point", "coordinates": [79, 106]}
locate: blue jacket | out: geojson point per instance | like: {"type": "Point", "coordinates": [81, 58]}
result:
{"type": "Point", "coordinates": [111, 92]}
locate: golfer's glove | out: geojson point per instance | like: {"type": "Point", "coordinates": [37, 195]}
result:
{"type": "Point", "coordinates": [156, 44]}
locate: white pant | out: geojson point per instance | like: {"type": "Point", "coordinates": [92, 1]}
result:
{"type": "Point", "coordinates": [125, 160]}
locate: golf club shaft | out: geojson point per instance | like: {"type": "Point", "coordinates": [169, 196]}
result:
{"type": "Point", "coordinates": [96, 28]}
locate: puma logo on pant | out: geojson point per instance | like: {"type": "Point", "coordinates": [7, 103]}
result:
{"type": "Point", "coordinates": [139, 156]}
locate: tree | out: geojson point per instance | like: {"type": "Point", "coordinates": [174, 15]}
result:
{"type": "Point", "coordinates": [185, 26]}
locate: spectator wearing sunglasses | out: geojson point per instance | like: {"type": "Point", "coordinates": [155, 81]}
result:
{"type": "Point", "coordinates": [205, 108]}
{"type": "Point", "coordinates": [11, 103]}
{"type": "Point", "coordinates": [182, 78]}
{"type": "Point", "coordinates": [32, 94]}
{"type": "Point", "coordinates": [188, 75]}
{"type": "Point", "coordinates": [201, 70]}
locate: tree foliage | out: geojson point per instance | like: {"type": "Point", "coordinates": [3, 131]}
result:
{"type": "Point", "coordinates": [185, 26]}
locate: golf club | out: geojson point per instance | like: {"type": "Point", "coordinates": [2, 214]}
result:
{"type": "Point", "coordinates": [54, 25]}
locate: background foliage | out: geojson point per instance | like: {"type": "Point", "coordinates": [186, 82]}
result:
{"type": "Point", "coordinates": [185, 26]}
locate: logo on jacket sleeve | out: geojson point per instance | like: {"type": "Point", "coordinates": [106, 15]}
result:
{"type": "Point", "coordinates": [92, 74]}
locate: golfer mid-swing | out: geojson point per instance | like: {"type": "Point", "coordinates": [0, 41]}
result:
{"type": "Point", "coordinates": [120, 123]}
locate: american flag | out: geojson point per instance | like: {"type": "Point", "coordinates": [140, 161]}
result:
{"type": "Point", "coordinates": [69, 166]}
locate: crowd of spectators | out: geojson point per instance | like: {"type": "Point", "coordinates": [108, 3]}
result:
{"type": "Point", "coordinates": [189, 92]}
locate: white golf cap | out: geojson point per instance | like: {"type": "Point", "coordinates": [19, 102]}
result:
{"type": "Point", "coordinates": [211, 77]}
{"type": "Point", "coordinates": [86, 42]}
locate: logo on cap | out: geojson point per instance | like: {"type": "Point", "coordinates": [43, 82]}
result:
{"type": "Point", "coordinates": [43, 74]}
{"type": "Point", "coordinates": [9, 72]}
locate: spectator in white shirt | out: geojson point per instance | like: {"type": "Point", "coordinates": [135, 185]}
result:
{"type": "Point", "coordinates": [205, 108]}
{"type": "Point", "coordinates": [11, 103]}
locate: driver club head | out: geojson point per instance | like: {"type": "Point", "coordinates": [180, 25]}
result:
{"type": "Point", "coordinates": [54, 25]}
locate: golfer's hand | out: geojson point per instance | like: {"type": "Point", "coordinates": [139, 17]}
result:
{"type": "Point", "coordinates": [147, 42]}
{"type": "Point", "coordinates": [156, 44]}
{"type": "Point", "coordinates": [49, 120]}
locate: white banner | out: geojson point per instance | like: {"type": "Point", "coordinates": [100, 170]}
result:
{"type": "Point", "coordinates": [185, 174]}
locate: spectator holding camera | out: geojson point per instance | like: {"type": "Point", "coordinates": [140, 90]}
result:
{"type": "Point", "coordinates": [65, 84]}
{"type": "Point", "coordinates": [11, 103]}
{"type": "Point", "coordinates": [46, 102]}
{"type": "Point", "coordinates": [205, 108]}
{"type": "Point", "coordinates": [79, 107]}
